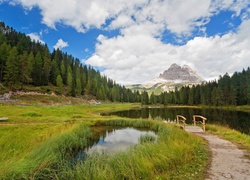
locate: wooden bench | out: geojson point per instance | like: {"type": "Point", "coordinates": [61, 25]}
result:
{"type": "Point", "coordinates": [4, 119]}
{"type": "Point", "coordinates": [202, 121]}
{"type": "Point", "coordinates": [182, 119]}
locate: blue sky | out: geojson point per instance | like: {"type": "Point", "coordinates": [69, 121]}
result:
{"type": "Point", "coordinates": [133, 42]}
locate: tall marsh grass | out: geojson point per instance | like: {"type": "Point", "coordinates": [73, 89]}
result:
{"type": "Point", "coordinates": [17, 141]}
{"type": "Point", "coordinates": [51, 159]}
{"type": "Point", "coordinates": [176, 155]}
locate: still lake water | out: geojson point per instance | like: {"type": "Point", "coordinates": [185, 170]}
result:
{"type": "Point", "coordinates": [234, 119]}
{"type": "Point", "coordinates": [108, 139]}
{"type": "Point", "coordinates": [112, 139]}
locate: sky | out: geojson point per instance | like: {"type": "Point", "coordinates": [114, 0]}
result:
{"type": "Point", "coordinates": [133, 42]}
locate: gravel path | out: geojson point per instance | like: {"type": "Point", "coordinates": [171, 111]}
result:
{"type": "Point", "coordinates": [228, 161]}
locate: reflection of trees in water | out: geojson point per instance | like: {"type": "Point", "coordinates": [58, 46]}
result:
{"type": "Point", "coordinates": [234, 119]}
{"type": "Point", "coordinates": [145, 113]}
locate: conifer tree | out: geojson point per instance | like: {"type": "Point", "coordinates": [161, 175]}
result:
{"type": "Point", "coordinates": [25, 76]}
{"type": "Point", "coordinates": [59, 83]}
{"type": "Point", "coordinates": [4, 54]}
{"type": "Point", "coordinates": [242, 98]}
{"type": "Point", "coordinates": [31, 61]}
{"type": "Point", "coordinates": [54, 72]}
{"type": "Point", "coordinates": [37, 73]}
{"type": "Point", "coordinates": [144, 98]}
{"type": "Point", "coordinates": [12, 73]}
{"type": "Point", "coordinates": [46, 65]}
{"type": "Point", "coordinates": [78, 82]}
{"type": "Point", "coordinates": [70, 79]}
{"type": "Point", "coordinates": [248, 85]}
{"type": "Point", "coordinates": [191, 97]}
{"type": "Point", "coordinates": [153, 99]}
{"type": "Point", "coordinates": [63, 73]}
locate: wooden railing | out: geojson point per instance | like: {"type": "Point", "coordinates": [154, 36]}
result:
{"type": "Point", "coordinates": [201, 120]}
{"type": "Point", "coordinates": [182, 119]}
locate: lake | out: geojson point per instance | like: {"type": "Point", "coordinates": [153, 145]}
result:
{"type": "Point", "coordinates": [234, 119]}
{"type": "Point", "coordinates": [108, 139]}
{"type": "Point", "coordinates": [111, 139]}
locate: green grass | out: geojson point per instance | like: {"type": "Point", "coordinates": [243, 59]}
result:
{"type": "Point", "coordinates": [38, 141]}
{"type": "Point", "coordinates": [51, 157]}
{"type": "Point", "coordinates": [17, 141]}
{"type": "Point", "coordinates": [245, 108]}
{"type": "Point", "coordinates": [147, 138]}
{"type": "Point", "coordinates": [243, 140]}
{"type": "Point", "coordinates": [176, 155]}
{"type": "Point", "coordinates": [57, 114]}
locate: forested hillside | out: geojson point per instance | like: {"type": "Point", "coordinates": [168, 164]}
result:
{"type": "Point", "coordinates": [25, 62]}
{"type": "Point", "coordinates": [234, 90]}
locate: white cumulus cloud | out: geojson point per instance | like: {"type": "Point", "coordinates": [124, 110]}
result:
{"type": "Point", "coordinates": [179, 16]}
{"type": "Point", "coordinates": [138, 54]}
{"type": "Point", "coordinates": [60, 44]}
{"type": "Point", "coordinates": [137, 59]}
{"type": "Point", "coordinates": [35, 37]}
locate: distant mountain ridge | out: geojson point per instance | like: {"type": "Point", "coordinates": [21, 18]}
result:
{"type": "Point", "coordinates": [174, 77]}
{"type": "Point", "coordinates": [184, 73]}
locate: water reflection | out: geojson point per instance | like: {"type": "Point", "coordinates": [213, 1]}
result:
{"type": "Point", "coordinates": [234, 119]}
{"type": "Point", "coordinates": [116, 140]}
{"type": "Point", "coordinates": [107, 139]}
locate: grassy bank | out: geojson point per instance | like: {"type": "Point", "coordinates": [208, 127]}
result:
{"type": "Point", "coordinates": [232, 135]}
{"type": "Point", "coordinates": [176, 155]}
{"type": "Point", "coordinates": [38, 141]}
{"type": "Point", "coordinates": [17, 141]}
{"type": "Point", "coordinates": [245, 108]}
{"type": "Point", "coordinates": [57, 114]}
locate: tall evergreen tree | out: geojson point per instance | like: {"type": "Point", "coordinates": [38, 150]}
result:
{"type": "Point", "coordinates": [24, 69]}
{"type": "Point", "coordinates": [4, 54]}
{"type": "Point", "coordinates": [12, 72]}
{"type": "Point", "coordinates": [248, 85]}
{"type": "Point", "coordinates": [70, 79]}
{"type": "Point", "coordinates": [46, 65]}
{"type": "Point", "coordinates": [63, 73]}
{"type": "Point", "coordinates": [217, 96]}
{"type": "Point", "coordinates": [78, 82]}
{"type": "Point", "coordinates": [59, 83]}
{"type": "Point", "coordinates": [144, 98]}
{"type": "Point", "coordinates": [191, 97]}
{"type": "Point", "coordinates": [242, 98]}
{"type": "Point", "coordinates": [54, 72]}
{"type": "Point", "coordinates": [37, 73]}
{"type": "Point", "coordinates": [153, 98]}
{"type": "Point", "coordinates": [31, 62]}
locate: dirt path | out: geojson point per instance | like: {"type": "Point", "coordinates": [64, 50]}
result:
{"type": "Point", "coordinates": [228, 161]}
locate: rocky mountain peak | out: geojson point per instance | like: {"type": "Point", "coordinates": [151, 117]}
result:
{"type": "Point", "coordinates": [178, 73]}
{"type": "Point", "coordinates": [174, 77]}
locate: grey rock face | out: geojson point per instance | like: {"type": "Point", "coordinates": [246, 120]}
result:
{"type": "Point", "coordinates": [185, 73]}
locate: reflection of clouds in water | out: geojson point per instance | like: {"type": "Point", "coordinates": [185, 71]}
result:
{"type": "Point", "coordinates": [120, 139]}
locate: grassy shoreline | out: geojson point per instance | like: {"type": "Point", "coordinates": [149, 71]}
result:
{"type": "Point", "coordinates": [240, 139]}
{"type": "Point", "coordinates": [34, 140]}
{"type": "Point", "coordinates": [29, 143]}
{"type": "Point", "coordinates": [177, 154]}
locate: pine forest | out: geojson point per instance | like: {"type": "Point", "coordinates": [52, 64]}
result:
{"type": "Point", "coordinates": [24, 62]}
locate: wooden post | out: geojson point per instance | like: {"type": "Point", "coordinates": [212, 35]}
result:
{"type": "Point", "coordinates": [203, 122]}
{"type": "Point", "coordinates": [183, 120]}
{"type": "Point", "coordinates": [204, 125]}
